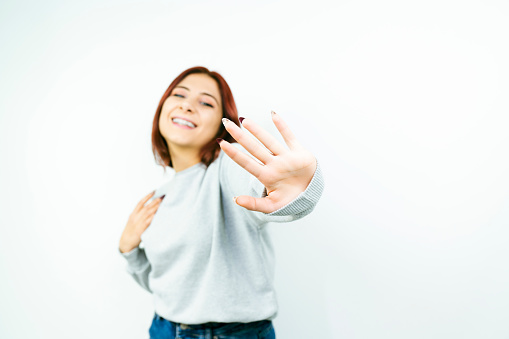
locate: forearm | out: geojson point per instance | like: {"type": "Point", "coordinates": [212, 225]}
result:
{"type": "Point", "coordinates": [138, 266]}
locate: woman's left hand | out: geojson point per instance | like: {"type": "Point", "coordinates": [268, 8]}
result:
{"type": "Point", "coordinates": [285, 172]}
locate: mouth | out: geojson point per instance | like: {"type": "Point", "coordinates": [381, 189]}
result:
{"type": "Point", "coordinates": [183, 123]}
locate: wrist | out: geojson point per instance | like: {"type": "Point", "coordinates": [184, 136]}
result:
{"type": "Point", "coordinates": [125, 247]}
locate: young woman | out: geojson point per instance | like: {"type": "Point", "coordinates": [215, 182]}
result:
{"type": "Point", "coordinates": [207, 257]}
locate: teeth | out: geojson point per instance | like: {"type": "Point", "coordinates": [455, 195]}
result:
{"type": "Point", "coordinates": [183, 122]}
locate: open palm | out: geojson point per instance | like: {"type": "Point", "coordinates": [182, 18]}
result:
{"type": "Point", "coordinates": [285, 172]}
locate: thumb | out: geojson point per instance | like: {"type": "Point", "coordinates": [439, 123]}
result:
{"type": "Point", "coordinates": [255, 204]}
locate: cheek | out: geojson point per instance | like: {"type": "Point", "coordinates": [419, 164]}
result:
{"type": "Point", "coordinates": [163, 116]}
{"type": "Point", "coordinates": [167, 108]}
{"type": "Point", "coordinates": [168, 105]}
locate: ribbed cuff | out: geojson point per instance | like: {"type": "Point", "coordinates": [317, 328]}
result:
{"type": "Point", "coordinates": [307, 199]}
{"type": "Point", "coordinates": [136, 259]}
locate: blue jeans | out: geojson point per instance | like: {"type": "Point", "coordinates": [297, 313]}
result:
{"type": "Point", "coordinates": [165, 329]}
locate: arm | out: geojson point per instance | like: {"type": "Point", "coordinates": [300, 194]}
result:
{"type": "Point", "coordinates": [138, 266]}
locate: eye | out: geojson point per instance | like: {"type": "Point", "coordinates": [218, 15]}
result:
{"type": "Point", "coordinates": [178, 95]}
{"type": "Point", "coordinates": [207, 104]}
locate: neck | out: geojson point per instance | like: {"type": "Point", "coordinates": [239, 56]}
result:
{"type": "Point", "coordinates": [183, 158]}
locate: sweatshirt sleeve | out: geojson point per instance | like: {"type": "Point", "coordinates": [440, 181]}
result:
{"type": "Point", "coordinates": [240, 182]}
{"type": "Point", "coordinates": [138, 266]}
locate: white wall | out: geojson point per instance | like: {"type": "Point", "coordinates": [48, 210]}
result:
{"type": "Point", "coordinates": [403, 103]}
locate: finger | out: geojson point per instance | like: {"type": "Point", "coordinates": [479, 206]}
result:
{"type": "Point", "coordinates": [265, 137]}
{"type": "Point", "coordinates": [264, 205]}
{"type": "Point", "coordinates": [150, 213]}
{"type": "Point", "coordinates": [148, 221]}
{"type": "Point", "coordinates": [250, 144]}
{"type": "Point", "coordinates": [155, 203]}
{"type": "Point", "coordinates": [242, 159]}
{"type": "Point", "coordinates": [153, 208]}
{"type": "Point", "coordinates": [142, 202]}
{"type": "Point", "coordinates": [285, 131]}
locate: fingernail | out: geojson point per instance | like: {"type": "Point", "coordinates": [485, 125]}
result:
{"type": "Point", "coordinates": [225, 121]}
{"type": "Point", "coordinates": [235, 199]}
{"type": "Point", "coordinates": [241, 119]}
{"type": "Point", "coordinates": [219, 140]}
{"type": "Point", "coordinates": [272, 112]}
{"type": "Point", "coordinates": [162, 196]}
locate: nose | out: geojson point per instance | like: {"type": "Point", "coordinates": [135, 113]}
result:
{"type": "Point", "coordinates": [186, 106]}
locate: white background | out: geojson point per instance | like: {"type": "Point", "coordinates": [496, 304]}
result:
{"type": "Point", "coordinates": [404, 103]}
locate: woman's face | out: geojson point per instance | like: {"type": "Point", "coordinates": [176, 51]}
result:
{"type": "Point", "coordinates": [191, 115]}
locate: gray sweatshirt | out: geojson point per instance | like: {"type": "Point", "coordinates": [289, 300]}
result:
{"type": "Point", "coordinates": [203, 257]}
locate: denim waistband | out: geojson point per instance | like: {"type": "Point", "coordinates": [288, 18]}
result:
{"type": "Point", "coordinates": [219, 327]}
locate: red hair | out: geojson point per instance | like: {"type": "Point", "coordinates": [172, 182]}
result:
{"type": "Point", "coordinates": [210, 151]}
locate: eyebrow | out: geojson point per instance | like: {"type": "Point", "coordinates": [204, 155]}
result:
{"type": "Point", "coordinates": [204, 93]}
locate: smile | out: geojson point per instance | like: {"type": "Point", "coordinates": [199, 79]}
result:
{"type": "Point", "coordinates": [183, 123]}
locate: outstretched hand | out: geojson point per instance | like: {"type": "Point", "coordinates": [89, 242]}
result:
{"type": "Point", "coordinates": [285, 172]}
